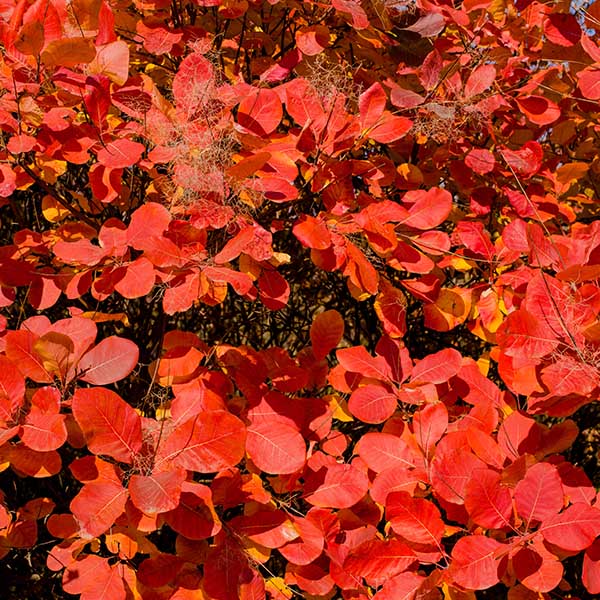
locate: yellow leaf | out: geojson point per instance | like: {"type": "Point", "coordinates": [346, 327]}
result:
{"type": "Point", "coordinates": [163, 412]}
{"type": "Point", "coordinates": [497, 10]}
{"type": "Point", "coordinates": [484, 364]}
{"type": "Point", "coordinates": [340, 408]}
{"type": "Point", "coordinates": [276, 587]}
{"type": "Point", "coordinates": [101, 317]}
{"type": "Point", "coordinates": [249, 266]}
{"type": "Point", "coordinates": [52, 210]}
{"type": "Point", "coordinates": [260, 554]}
{"type": "Point", "coordinates": [280, 258]}
{"type": "Point", "coordinates": [52, 169]}
{"type": "Point", "coordinates": [451, 593]}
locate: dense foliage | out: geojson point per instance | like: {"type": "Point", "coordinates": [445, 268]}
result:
{"type": "Point", "coordinates": [298, 298]}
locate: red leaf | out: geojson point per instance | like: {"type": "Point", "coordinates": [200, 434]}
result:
{"type": "Point", "coordinates": [312, 40]}
{"type": "Point", "coordinates": [12, 389]}
{"type": "Point", "coordinates": [249, 165]}
{"type": "Point", "coordinates": [452, 472]}
{"type": "Point", "coordinates": [43, 431]}
{"type": "Point", "coordinates": [539, 110]}
{"type": "Point", "coordinates": [110, 425]}
{"type": "Point", "coordinates": [481, 161]}
{"type": "Point", "coordinates": [195, 517]}
{"type": "Point", "coordinates": [336, 486]}
{"type": "Point", "coordinates": [358, 360]}
{"type": "Point", "coordinates": [276, 447]}
{"type": "Point", "coordinates": [225, 566]}
{"type": "Point", "coordinates": [589, 84]}
{"type": "Point", "coordinates": [162, 252]}
{"type": "Point", "coordinates": [303, 105]}
{"type": "Point", "coordinates": [395, 479]}
{"type": "Point", "coordinates": [312, 233]}
{"type": "Point", "coordinates": [192, 83]}
{"type": "Point", "coordinates": [438, 367]}
{"type": "Point", "coordinates": [252, 240]}
{"type": "Point", "coordinates": [150, 220]}
{"type": "Point", "coordinates": [476, 562]}
{"type": "Point", "coordinates": [519, 435]}
{"type": "Point", "coordinates": [574, 529]}
{"type": "Point", "coordinates": [326, 333]}
{"type": "Point", "coordinates": [538, 572]}
{"type": "Point", "coordinates": [180, 297]}
{"type": "Point", "coordinates": [21, 143]}
{"type": "Point", "coordinates": [260, 112]}
{"type": "Point", "coordinates": [269, 528]}
{"type": "Point", "coordinates": [384, 451]}
{"type": "Point", "coordinates": [93, 578]}
{"type": "Point", "coordinates": [31, 462]}
{"type": "Point", "coordinates": [240, 282]}
{"type": "Point", "coordinates": [479, 80]}
{"type": "Point", "coordinates": [371, 104]}
{"type": "Point", "coordinates": [354, 9]}
{"type": "Point", "coordinates": [591, 568]}
{"type": "Point", "coordinates": [20, 350]}
{"type": "Point", "coordinates": [429, 25]}
{"type": "Point", "coordinates": [157, 39]}
{"type": "Point", "coordinates": [97, 506]}
{"type": "Point", "coordinates": [562, 29]}
{"type": "Point", "coordinates": [120, 154]}
{"type": "Point", "coordinates": [390, 306]}
{"type": "Point", "coordinates": [112, 359]}
{"type": "Point", "coordinates": [159, 570]}
{"type": "Point", "coordinates": [359, 269]}
{"type": "Point", "coordinates": [378, 560]}
{"type": "Point", "coordinates": [487, 502]}
{"type": "Point", "coordinates": [539, 494]}
{"type": "Point", "coordinates": [415, 519]}
{"type": "Point", "coordinates": [208, 443]}
{"type": "Point", "coordinates": [526, 338]}
{"type": "Point", "coordinates": [372, 403]}
{"type": "Point", "coordinates": [390, 128]}
{"type": "Point", "coordinates": [274, 289]}
{"type": "Point", "coordinates": [550, 302]}
{"type": "Point", "coordinates": [527, 160]}
{"type": "Point", "coordinates": [308, 547]}
{"type": "Point", "coordinates": [97, 98]}
{"type": "Point", "coordinates": [8, 181]}
{"type": "Point", "coordinates": [112, 60]}
{"type": "Point", "coordinates": [404, 586]}
{"type": "Point", "coordinates": [429, 424]}
{"type": "Point", "coordinates": [158, 492]}
{"type": "Point", "coordinates": [477, 239]}
{"type": "Point", "coordinates": [427, 209]}
{"type": "Point", "coordinates": [138, 279]}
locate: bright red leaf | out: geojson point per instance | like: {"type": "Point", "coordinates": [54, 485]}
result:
{"type": "Point", "coordinates": [110, 425]}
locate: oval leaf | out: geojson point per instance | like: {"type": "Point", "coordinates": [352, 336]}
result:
{"type": "Point", "coordinates": [111, 360]}
{"type": "Point", "coordinates": [109, 424]}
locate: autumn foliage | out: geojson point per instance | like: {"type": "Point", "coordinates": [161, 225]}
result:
{"type": "Point", "coordinates": [299, 299]}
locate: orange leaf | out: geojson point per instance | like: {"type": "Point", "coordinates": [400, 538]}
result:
{"type": "Point", "coordinates": [450, 310]}
{"type": "Point", "coordinates": [68, 52]}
